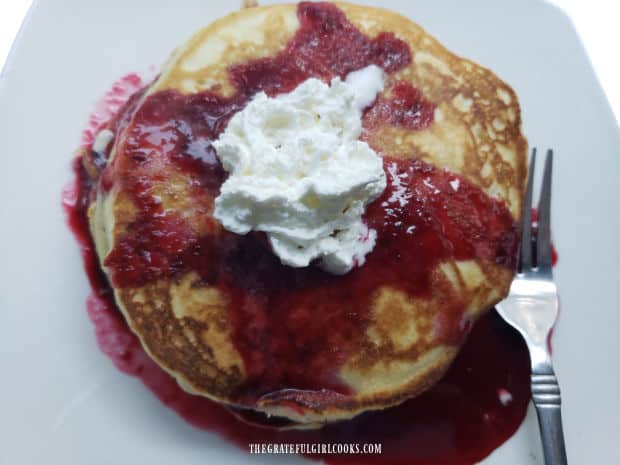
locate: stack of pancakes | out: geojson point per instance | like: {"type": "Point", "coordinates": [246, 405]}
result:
{"type": "Point", "coordinates": [187, 322]}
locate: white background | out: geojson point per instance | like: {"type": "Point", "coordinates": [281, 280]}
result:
{"type": "Point", "coordinates": [597, 22]}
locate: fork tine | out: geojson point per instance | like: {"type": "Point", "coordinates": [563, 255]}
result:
{"type": "Point", "coordinates": [525, 258]}
{"type": "Point", "coordinates": [543, 240]}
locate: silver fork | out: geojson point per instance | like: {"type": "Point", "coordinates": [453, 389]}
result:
{"type": "Point", "coordinates": [532, 309]}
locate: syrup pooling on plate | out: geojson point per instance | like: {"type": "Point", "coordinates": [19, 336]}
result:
{"type": "Point", "coordinates": [479, 404]}
{"type": "Point", "coordinates": [111, 105]}
{"type": "Point", "coordinates": [294, 328]}
{"type": "Point", "coordinates": [459, 421]}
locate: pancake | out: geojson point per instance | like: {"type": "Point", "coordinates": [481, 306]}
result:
{"type": "Point", "coordinates": [218, 311]}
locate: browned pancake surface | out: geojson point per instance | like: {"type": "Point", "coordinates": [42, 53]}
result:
{"type": "Point", "coordinates": [186, 324]}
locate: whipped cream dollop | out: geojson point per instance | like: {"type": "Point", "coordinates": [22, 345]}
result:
{"type": "Point", "coordinates": [298, 172]}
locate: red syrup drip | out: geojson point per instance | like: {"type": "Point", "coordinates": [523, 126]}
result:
{"type": "Point", "coordinates": [460, 420]}
{"type": "Point", "coordinates": [110, 105]}
{"type": "Point", "coordinates": [325, 45]}
{"type": "Point", "coordinates": [406, 108]}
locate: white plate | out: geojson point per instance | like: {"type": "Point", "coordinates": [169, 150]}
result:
{"type": "Point", "coordinates": [62, 401]}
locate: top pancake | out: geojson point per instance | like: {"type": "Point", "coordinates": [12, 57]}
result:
{"type": "Point", "coordinates": [190, 323]}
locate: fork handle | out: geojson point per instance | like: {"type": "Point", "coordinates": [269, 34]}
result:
{"type": "Point", "coordinates": [547, 400]}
